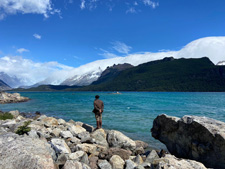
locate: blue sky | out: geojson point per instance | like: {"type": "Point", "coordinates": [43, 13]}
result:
{"type": "Point", "coordinates": [76, 32]}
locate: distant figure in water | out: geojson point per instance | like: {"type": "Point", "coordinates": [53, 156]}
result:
{"type": "Point", "coordinates": [98, 109]}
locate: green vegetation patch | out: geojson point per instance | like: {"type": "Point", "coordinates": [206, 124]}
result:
{"type": "Point", "coordinates": [5, 116]}
{"type": "Point", "coordinates": [23, 129]}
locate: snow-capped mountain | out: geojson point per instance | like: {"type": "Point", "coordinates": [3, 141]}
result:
{"type": "Point", "coordinates": [221, 63]}
{"type": "Point", "coordinates": [12, 81]}
{"type": "Point", "coordinates": [84, 79]}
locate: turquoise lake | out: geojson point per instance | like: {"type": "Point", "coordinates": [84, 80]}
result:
{"type": "Point", "coordinates": [130, 112]}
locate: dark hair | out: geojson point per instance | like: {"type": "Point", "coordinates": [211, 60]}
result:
{"type": "Point", "coordinates": [97, 96]}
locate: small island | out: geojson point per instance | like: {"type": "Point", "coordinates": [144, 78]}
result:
{"type": "Point", "coordinates": [11, 98]}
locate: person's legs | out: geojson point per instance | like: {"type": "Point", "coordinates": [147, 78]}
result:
{"type": "Point", "coordinates": [100, 123]}
{"type": "Point", "coordinates": [97, 121]}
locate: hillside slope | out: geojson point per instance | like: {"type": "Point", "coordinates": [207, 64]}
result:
{"type": "Point", "coordinates": [4, 86]}
{"type": "Point", "coordinates": [167, 75]}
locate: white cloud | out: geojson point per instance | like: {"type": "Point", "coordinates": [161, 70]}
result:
{"type": "Point", "coordinates": [121, 47]}
{"type": "Point", "coordinates": [106, 54]}
{"type": "Point", "coordinates": [31, 72]}
{"type": "Point", "coordinates": [37, 36]}
{"type": "Point", "coordinates": [12, 7]}
{"type": "Point", "coordinates": [21, 50]}
{"type": "Point", "coordinates": [131, 10]}
{"type": "Point", "coordinates": [150, 3]}
{"type": "Point", "coordinates": [110, 4]}
{"type": "Point", "coordinates": [82, 5]}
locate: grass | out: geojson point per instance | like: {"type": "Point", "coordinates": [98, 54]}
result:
{"type": "Point", "coordinates": [5, 116]}
{"type": "Point", "coordinates": [23, 129]}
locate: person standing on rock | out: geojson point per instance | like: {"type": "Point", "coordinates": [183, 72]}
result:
{"type": "Point", "coordinates": [98, 110]}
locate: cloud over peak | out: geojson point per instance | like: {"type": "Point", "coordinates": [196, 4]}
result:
{"type": "Point", "coordinates": [121, 47]}
{"type": "Point", "coordinates": [12, 7]}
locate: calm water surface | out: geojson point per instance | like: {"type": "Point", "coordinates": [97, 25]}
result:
{"type": "Point", "coordinates": [131, 112]}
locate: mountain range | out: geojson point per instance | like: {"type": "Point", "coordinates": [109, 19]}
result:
{"type": "Point", "coordinates": [168, 74]}
{"type": "Point", "coordinates": [27, 73]}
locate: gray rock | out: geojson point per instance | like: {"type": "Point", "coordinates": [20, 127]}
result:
{"type": "Point", "coordinates": [152, 156]}
{"type": "Point", "coordinates": [50, 122]}
{"type": "Point", "coordinates": [84, 159]}
{"type": "Point", "coordinates": [93, 160]}
{"type": "Point", "coordinates": [9, 124]}
{"type": "Point", "coordinates": [41, 117]}
{"type": "Point", "coordinates": [55, 132]}
{"type": "Point", "coordinates": [72, 122]}
{"type": "Point", "coordinates": [85, 137]}
{"type": "Point", "coordinates": [62, 158]}
{"type": "Point", "coordinates": [104, 164]}
{"type": "Point", "coordinates": [75, 130]}
{"type": "Point", "coordinates": [15, 113]}
{"type": "Point", "coordinates": [70, 164]}
{"type": "Point", "coordinates": [141, 167]}
{"type": "Point", "coordinates": [140, 143]}
{"type": "Point", "coordinates": [124, 154]}
{"type": "Point", "coordinates": [75, 140]}
{"type": "Point", "coordinates": [85, 166]}
{"type": "Point", "coordinates": [117, 139]}
{"type": "Point", "coordinates": [33, 134]}
{"type": "Point", "coordinates": [24, 152]}
{"type": "Point", "coordinates": [61, 121]}
{"type": "Point", "coordinates": [3, 130]}
{"type": "Point", "coordinates": [117, 162]}
{"type": "Point", "coordinates": [66, 134]}
{"type": "Point", "coordinates": [88, 127]}
{"type": "Point", "coordinates": [138, 159]}
{"type": "Point", "coordinates": [130, 164]}
{"type": "Point", "coordinates": [192, 137]}
{"type": "Point", "coordinates": [99, 137]}
{"type": "Point", "coordinates": [60, 146]}
{"type": "Point", "coordinates": [90, 148]}
{"type": "Point", "coordinates": [76, 156]}
{"type": "Point", "coordinates": [146, 165]}
{"type": "Point", "coordinates": [170, 161]}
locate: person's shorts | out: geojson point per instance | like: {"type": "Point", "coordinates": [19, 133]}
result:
{"type": "Point", "coordinates": [98, 117]}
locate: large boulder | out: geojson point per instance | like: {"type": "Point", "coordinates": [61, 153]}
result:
{"type": "Point", "coordinates": [70, 164]}
{"type": "Point", "coordinates": [76, 129]}
{"type": "Point", "coordinates": [124, 154]}
{"type": "Point", "coordinates": [60, 146]}
{"type": "Point", "coordinates": [118, 139]}
{"type": "Point", "coordinates": [50, 121]}
{"type": "Point", "coordinates": [117, 162]}
{"type": "Point", "coordinates": [197, 138]}
{"type": "Point", "coordinates": [90, 148]}
{"type": "Point", "coordinates": [15, 113]}
{"type": "Point", "coordinates": [24, 152]}
{"type": "Point", "coordinates": [171, 162]}
{"type": "Point", "coordinates": [99, 137]}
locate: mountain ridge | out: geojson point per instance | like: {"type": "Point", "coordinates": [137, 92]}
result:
{"type": "Point", "coordinates": [168, 74]}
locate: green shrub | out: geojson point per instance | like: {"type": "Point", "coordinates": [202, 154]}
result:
{"type": "Point", "coordinates": [23, 129]}
{"type": "Point", "coordinates": [4, 116]}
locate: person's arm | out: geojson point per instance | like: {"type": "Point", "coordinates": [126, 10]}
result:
{"type": "Point", "coordinates": [96, 107]}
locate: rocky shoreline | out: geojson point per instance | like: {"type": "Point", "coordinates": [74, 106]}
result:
{"type": "Point", "coordinates": [12, 98]}
{"type": "Point", "coordinates": [45, 142]}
